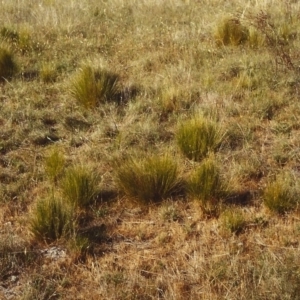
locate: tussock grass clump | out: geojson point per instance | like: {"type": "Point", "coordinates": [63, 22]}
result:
{"type": "Point", "coordinates": [197, 137]}
{"type": "Point", "coordinates": [205, 184]}
{"type": "Point", "coordinates": [54, 164]}
{"type": "Point", "coordinates": [231, 32]}
{"type": "Point", "coordinates": [282, 194]}
{"type": "Point", "coordinates": [233, 220]}
{"type": "Point", "coordinates": [9, 34]}
{"type": "Point", "coordinates": [93, 86]}
{"type": "Point", "coordinates": [148, 180]}
{"type": "Point", "coordinates": [80, 185]}
{"type": "Point", "coordinates": [8, 66]}
{"type": "Point", "coordinates": [78, 246]}
{"type": "Point", "coordinates": [48, 73]}
{"type": "Point", "coordinates": [51, 219]}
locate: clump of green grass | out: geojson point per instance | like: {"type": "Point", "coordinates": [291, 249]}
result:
{"type": "Point", "coordinates": [233, 220]}
{"type": "Point", "coordinates": [148, 180]}
{"type": "Point", "coordinates": [255, 38]}
{"type": "Point", "coordinates": [91, 87]}
{"type": "Point", "coordinates": [8, 65]}
{"type": "Point", "coordinates": [230, 31]}
{"type": "Point", "coordinates": [78, 246]}
{"type": "Point", "coordinates": [48, 73]}
{"type": "Point", "coordinates": [205, 185]}
{"type": "Point", "coordinates": [54, 164]}
{"type": "Point", "coordinates": [80, 185]}
{"type": "Point", "coordinates": [197, 137]}
{"type": "Point", "coordinates": [51, 219]}
{"type": "Point", "coordinates": [9, 34]}
{"type": "Point", "coordinates": [282, 194]}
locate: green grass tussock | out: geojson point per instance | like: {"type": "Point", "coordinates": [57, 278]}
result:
{"type": "Point", "coordinates": [80, 185]}
{"type": "Point", "coordinates": [51, 219]}
{"type": "Point", "coordinates": [150, 179]}
{"type": "Point", "coordinates": [198, 137]}
{"type": "Point", "coordinates": [233, 220]}
{"type": "Point", "coordinates": [91, 86]}
{"type": "Point", "coordinates": [205, 185]}
{"type": "Point", "coordinates": [230, 31]}
{"type": "Point", "coordinates": [54, 164]}
{"type": "Point", "coordinates": [8, 65]}
{"type": "Point", "coordinates": [282, 194]}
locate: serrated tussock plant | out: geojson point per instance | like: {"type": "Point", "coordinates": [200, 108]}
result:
{"type": "Point", "coordinates": [48, 73]}
{"type": "Point", "coordinates": [8, 66]}
{"type": "Point", "coordinates": [54, 164]}
{"type": "Point", "coordinates": [51, 219]}
{"type": "Point", "coordinates": [91, 86]}
{"type": "Point", "coordinates": [233, 220]}
{"type": "Point", "coordinates": [9, 34]}
{"type": "Point", "coordinates": [205, 184]}
{"type": "Point", "coordinates": [230, 31]}
{"type": "Point", "coordinates": [80, 185]}
{"type": "Point", "coordinates": [197, 137]}
{"type": "Point", "coordinates": [151, 179]}
{"type": "Point", "coordinates": [282, 194]}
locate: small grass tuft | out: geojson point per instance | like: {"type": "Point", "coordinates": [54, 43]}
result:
{"type": "Point", "coordinates": [205, 185]}
{"type": "Point", "coordinates": [233, 220]}
{"type": "Point", "coordinates": [231, 32]}
{"type": "Point", "coordinates": [148, 180]}
{"type": "Point", "coordinates": [51, 219]}
{"type": "Point", "coordinates": [170, 213]}
{"type": "Point", "coordinates": [197, 137]}
{"type": "Point", "coordinates": [80, 185]}
{"type": "Point", "coordinates": [9, 34]}
{"type": "Point", "coordinates": [48, 73]}
{"type": "Point", "coordinates": [54, 164]}
{"type": "Point", "coordinates": [91, 87]}
{"type": "Point", "coordinates": [281, 195]}
{"type": "Point", "coordinates": [8, 66]}
{"type": "Point", "coordinates": [78, 247]}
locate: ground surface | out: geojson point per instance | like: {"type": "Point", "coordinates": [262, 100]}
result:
{"type": "Point", "coordinates": [172, 65]}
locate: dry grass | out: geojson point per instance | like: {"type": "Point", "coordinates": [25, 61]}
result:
{"type": "Point", "coordinates": [174, 60]}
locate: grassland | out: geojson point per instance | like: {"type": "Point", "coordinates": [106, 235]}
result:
{"type": "Point", "coordinates": [100, 100]}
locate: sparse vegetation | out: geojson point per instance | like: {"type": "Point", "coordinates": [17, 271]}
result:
{"type": "Point", "coordinates": [169, 101]}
